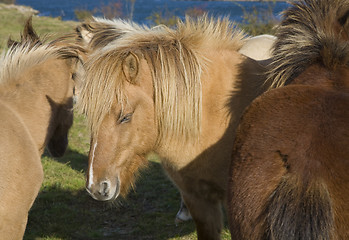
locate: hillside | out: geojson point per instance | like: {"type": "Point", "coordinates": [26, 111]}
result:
{"type": "Point", "coordinates": [13, 17]}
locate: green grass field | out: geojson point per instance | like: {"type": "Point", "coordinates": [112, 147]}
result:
{"type": "Point", "coordinates": [64, 210]}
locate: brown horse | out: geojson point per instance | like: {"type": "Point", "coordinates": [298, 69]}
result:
{"type": "Point", "coordinates": [36, 89]}
{"type": "Point", "coordinates": [179, 93]}
{"type": "Point", "coordinates": [289, 173]}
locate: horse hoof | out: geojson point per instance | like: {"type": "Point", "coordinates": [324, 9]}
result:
{"type": "Point", "coordinates": [183, 215]}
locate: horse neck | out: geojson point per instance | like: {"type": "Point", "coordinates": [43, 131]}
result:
{"type": "Point", "coordinates": [319, 76]}
{"type": "Point", "coordinates": [230, 82]}
{"type": "Point", "coordinates": [33, 96]}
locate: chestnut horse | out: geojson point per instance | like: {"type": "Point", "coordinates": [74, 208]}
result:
{"type": "Point", "coordinates": [179, 93]}
{"type": "Point", "coordinates": [289, 171]}
{"type": "Point", "coordinates": [36, 89]}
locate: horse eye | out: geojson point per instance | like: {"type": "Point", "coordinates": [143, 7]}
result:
{"type": "Point", "coordinates": [126, 118]}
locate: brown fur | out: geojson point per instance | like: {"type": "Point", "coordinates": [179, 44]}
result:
{"type": "Point", "coordinates": [288, 177]}
{"type": "Point", "coordinates": [179, 93]}
{"type": "Point", "coordinates": [310, 30]}
{"type": "Point", "coordinates": [36, 89]}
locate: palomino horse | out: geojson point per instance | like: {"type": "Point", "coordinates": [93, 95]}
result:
{"type": "Point", "coordinates": [258, 47]}
{"type": "Point", "coordinates": [36, 89]}
{"type": "Point", "coordinates": [179, 93]}
{"type": "Point", "coordinates": [100, 32]}
{"type": "Point", "coordinates": [289, 174]}
{"type": "Point", "coordinates": [96, 34]}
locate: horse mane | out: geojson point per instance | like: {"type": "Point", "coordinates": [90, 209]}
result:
{"type": "Point", "coordinates": [32, 50]}
{"type": "Point", "coordinates": [176, 58]}
{"type": "Point", "coordinates": [312, 31]}
{"type": "Point", "coordinates": [99, 32]}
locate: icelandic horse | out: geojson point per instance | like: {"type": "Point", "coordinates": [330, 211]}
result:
{"type": "Point", "coordinates": [36, 90]}
{"type": "Point", "coordinates": [179, 93]}
{"type": "Point", "coordinates": [289, 168]}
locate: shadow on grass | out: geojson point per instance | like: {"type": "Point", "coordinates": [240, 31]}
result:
{"type": "Point", "coordinates": [73, 158]}
{"type": "Point", "coordinates": [147, 213]}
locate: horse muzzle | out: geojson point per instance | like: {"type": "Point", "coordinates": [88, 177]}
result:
{"type": "Point", "coordinates": [57, 146]}
{"type": "Point", "coordinates": [104, 190]}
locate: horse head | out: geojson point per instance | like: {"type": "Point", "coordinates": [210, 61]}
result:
{"type": "Point", "coordinates": [62, 110]}
{"type": "Point", "coordinates": [126, 133]}
{"type": "Point", "coordinates": [61, 121]}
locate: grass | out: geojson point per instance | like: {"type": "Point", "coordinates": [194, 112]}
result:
{"type": "Point", "coordinates": [12, 22]}
{"type": "Point", "coordinates": [64, 211]}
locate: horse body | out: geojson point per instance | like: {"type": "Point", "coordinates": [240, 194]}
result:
{"type": "Point", "coordinates": [38, 113]}
{"type": "Point", "coordinates": [287, 168]}
{"type": "Point", "coordinates": [136, 102]}
{"type": "Point", "coordinates": [200, 171]}
{"type": "Point", "coordinates": [36, 90]}
{"type": "Point", "coordinates": [288, 177]}
{"type": "Point", "coordinates": [21, 184]}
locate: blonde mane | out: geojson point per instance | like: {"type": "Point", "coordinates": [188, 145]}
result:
{"type": "Point", "coordinates": [176, 59]}
{"type": "Point", "coordinates": [24, 55]}
{"type": "Point", "coordinates": [99, 32]}
{"type": "Point", "coordinates": [312, 31]}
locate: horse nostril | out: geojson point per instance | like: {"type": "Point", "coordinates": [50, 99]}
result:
{"type": "Point", "coordinates": [105, 187]}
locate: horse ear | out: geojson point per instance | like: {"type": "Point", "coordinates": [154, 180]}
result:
{"type": "Point", "coordinates": [130, 67]}
{"type": "Point", "coordinates": [84, 33]}
{"type": "Point", "coordinates": [29, 32]}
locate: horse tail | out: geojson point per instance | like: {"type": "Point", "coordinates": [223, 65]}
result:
{"type": "Point", "coordinates": [299, 210]}
{"type": "Point", "coordinates": [312, 31]}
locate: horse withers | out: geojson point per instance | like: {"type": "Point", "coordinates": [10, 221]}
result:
{"type": "Point", "coordinates": [36, 90]}
{"type": "Point", "coordinates": [289, 171]}
{"type": "Point", "coordinates": [179, 93]}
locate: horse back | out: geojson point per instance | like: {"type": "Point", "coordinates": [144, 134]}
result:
{"type": "Point", "coordinates": [288, 177]}
{"type": "Point", "coordinates": [21, 173]}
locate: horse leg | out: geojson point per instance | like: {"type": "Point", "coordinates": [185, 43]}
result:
{"type": "Point", "coordinates": [202, 198]}
{"type": "Point", "coordinates": [207, 216]}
